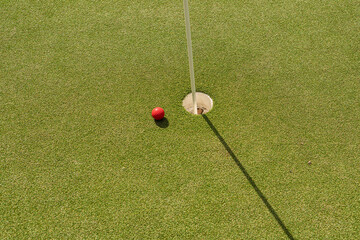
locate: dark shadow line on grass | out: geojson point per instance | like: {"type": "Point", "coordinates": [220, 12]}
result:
{"type": "Point", "coordinates": [249, 178]}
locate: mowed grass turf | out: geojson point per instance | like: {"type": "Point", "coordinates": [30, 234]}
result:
{"type": "Point", "coordinates": [81, 157]}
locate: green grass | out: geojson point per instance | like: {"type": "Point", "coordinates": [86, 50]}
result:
{"type": "Point", "coordinates": [81, 157]}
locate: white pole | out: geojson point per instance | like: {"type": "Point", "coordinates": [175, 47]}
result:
{"type": "Point", "coordinates": [189, 46]}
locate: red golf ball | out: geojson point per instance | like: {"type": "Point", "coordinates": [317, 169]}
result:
{"type": "Point", "coordinates": [158, 113]}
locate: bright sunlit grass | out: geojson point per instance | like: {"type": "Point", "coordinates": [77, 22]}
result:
{"type": "Point", "coordinates": [81, 156]}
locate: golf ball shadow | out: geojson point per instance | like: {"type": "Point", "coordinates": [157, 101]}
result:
{"type": "Point", "coordinates": [163, 123]}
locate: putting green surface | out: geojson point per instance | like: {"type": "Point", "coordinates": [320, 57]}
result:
{"type": "Point", "coordinates": [82, 158]}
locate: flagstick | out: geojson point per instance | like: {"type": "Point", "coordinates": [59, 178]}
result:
{"type": "Point", "coordinates": [189, 46]}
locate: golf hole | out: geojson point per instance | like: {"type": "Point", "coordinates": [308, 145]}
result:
{"type": "Point", "coordinates": [203, 101]}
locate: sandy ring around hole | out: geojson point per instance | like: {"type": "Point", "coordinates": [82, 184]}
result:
{"type": "Point", "coordinates": [203, 101]}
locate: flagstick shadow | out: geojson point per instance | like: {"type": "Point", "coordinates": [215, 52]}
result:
{"type": "Point", "coordinates": [249, 178]}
